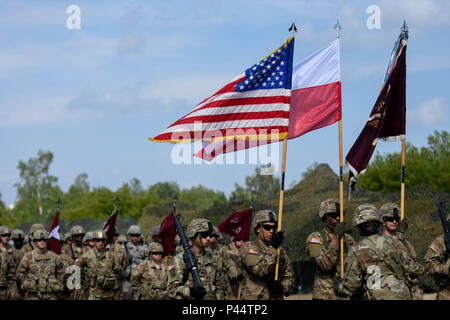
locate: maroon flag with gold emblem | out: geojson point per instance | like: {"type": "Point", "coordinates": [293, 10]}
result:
{"type": "Point", "coordinates": [387, 121]}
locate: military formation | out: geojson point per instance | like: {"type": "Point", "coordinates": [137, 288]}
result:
{"type": "Point", "coordinates": [381, 265]}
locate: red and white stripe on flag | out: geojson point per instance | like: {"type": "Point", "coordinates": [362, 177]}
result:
{"type": "Point", "coordinates": [316, 91]}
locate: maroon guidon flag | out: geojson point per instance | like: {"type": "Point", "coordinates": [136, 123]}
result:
{"type": "Point", "coordinates": [238, 224]}
{"type": "Point", "coordinates": [167, 233]}
{"type": "Point", "coordinates": [54, 239]}
{"type": "Point", "coordinates": [110, 226]}
{"type": "Point", "coordinates": [387, 121]}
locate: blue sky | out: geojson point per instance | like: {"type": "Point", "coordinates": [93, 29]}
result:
{"type": "Point", "coordinates": [94, 95]}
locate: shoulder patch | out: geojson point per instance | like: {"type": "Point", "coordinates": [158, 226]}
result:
{"type": "Point", "coordinates": [170, 267]}
{"type": "Point", "coordinates": [253, 251]}
{"type": "Point", "coordinates": [434, 248]}
{"type": "Point", "coordinates": [316, 240]}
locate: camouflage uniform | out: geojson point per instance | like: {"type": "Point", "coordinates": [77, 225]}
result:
{"type": "Point", "coordinates": [326, 255]}
{"type": "Point", "coordinates": [102, 270]}
{"type": "Point", "coordinates": [233, 269]}
{"type": "Point", "coordinates": [377, 265]}
{"type": "Point", "coordinates": [391, 210]}
{"type": "Point", "coordinates": [77, 248]}
{"type": "Point", "coordinates": [149, 279]}
{"type": "Point", "coordinates": [209, 268]}
{"type": "Point", "coordinates": [29, 246]}
{"type": "Point", "coordinates": [438, 264]}
{"type": "Point", "coordinates": [258, 265]}
{"type": "Point", "coordinates": [10, 259]}
{"type": "Point", "coordinates": [41, 274]}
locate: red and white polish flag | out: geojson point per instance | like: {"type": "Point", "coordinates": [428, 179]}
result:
{"type": "Point", "coordinates": [316, 91]}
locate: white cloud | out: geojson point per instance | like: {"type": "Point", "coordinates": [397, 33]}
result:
{"type": "Point", "coordinates": [431, 112]}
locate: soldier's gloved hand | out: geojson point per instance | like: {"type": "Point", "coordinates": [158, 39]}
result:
{"type": "Point", "coordinates": [276, 287]}
{"type": "Point", "coordinates": [339, 229]}
{"type": "Point", "coordinates": [402, 226]}
{"type": "Point", "coordinates": [240, 277]}
{"type": "Point", "coordinates": [197, 292]}
{"type": "Point", "coordinates": [277, 240]}
{"type": "Point", "coordinates": [337, 285]}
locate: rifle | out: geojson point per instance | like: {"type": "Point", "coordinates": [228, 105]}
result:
{"type": "Point", "coordinates": [443, 222]}
{"type": "Point", "coordinates": [71, 251]}
{"type": "Point", "coordinates": [189, 257]}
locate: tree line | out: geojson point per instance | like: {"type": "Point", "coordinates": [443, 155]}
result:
{"type": "Point", "coordinates": [38, 190]}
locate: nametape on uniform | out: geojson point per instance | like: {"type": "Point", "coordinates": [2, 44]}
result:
{"type": "Point", "coordinates": [316, 240]}
{"type": "Point", "coordinates": [253, 251]}
{"type": "Point", "coordinates": [434, 248]}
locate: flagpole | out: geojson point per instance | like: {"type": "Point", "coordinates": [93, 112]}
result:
{"type": "Point", "coordinates": [280, 209]}
{"type": "Point", "coordinates": [338, 29]}
{"type": "Point", "coordinates": [404, 35]}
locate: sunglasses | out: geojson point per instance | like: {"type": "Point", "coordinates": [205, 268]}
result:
{"type": "Point", "coordinates": [391, 219]}
{"type": "Point", "coordinates": [205, 234]}
{"type": "Point", "coordinates": [155, 253]}
{"type": "Point", "coordinates": [135, 235]}
{"type": "Point", "coordinates": [40, 240]}
{"type": "Point", "coordinates": [99, 240]}
{"type": "Point", "coordinates": [269, 227]}
{"type": "Point", "coordinates": [6, 235]}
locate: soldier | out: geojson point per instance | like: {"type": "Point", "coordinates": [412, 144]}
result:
{"type": "Point", "coordinates": [377, 267]}
{"type": "Point", "coordinates": [18, 238]}
{"type": "Point", "coordinates": [121, 255]}
{"type": "Point", "coordinates": [438, 265]}
{"type": "Point", "coordinates": [394, 227]}
{"type": "Point", "coordinates": [136, 254]}
{"type": "Point", "coordinates": [149, 279]}
{"type": "Point", "coordinates": [214, 242]}
{"type": "Point", "coordinates": [29, 245]}
{"type": "Point", "coordinates": [40, 271]}
{"type": "Point", "coordinates": [234, 267]}
{"type": "Point", "coordinates": [76, 245]}
{"type": "Point", "coordinates": [101, 268]}
{"type": "Point", "coordinates": [180, 284]}
{"type": "Point", "coordinates": [259, 259]}
{"type": "Point", "coordinates": [88, 242]}
{"type": "Point", "coordinates": [10, 259]}
{"type": "Point", "coordinates": [323, 248]}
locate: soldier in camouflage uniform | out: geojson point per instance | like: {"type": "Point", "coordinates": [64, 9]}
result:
{"type": "Point", "coordinates": [29, 245]}
{"type": "Point", "coordinates": [394, 227]}
{"type": "Point", "coordinates": [259, 259]}
{"type": "Point", "coordinates": [438, 265]}
{"type": "Point", "coordinates": [40, 271]}
{"type": "Point", "coordinates": [324, 249]}
{"type": "Point", "coordinates": [377, 267]}
{"type": "Point", "coordinates": [88, 241]}
{"type": "Point", "coordinates": [10, 259]}
{"type": "Point", "coordinates": [233, 266]}
{"type": "Point", "coordinates": [5, 253]}
{"type": "Point", "coordinates": [101, 268]}
{"type": "Point", "coordinates": [75, 248]}
{"type": "Point", "coordinates": [149, 279]}
{"type": "Point", "coordinates": [136, 254]}
{"type": "Point", "coordinates": [180, 284]}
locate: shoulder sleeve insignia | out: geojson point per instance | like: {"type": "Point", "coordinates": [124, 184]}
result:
{"type": "Point", "coordinates": [434, 248]}
{"type": "Point", "coordinates": [316, 240]}
{"type": "Point", "coordinates": [253, 251]}
{"type": "Point", "coordinates": [170, 267]}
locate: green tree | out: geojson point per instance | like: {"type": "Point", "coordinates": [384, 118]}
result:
{"type": "Point", "coordinates": [79, 186]}
{"type": "Point", "coordinates": [257, 187]}
{"type": "Point", "coordinates": [37, 190]}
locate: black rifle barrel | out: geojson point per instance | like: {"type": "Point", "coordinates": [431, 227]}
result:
{"type": "Point", "coordinates": [189, 257]}
{"type": "Point", "coordinates": [443, 222]}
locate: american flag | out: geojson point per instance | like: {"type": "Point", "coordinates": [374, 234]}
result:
{"type": "Point", "coordinates": [253, 106]}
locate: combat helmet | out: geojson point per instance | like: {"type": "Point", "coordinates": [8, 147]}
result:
{"type": "Point", "coordinates": [77, 231]}
{"type": "Point", "coordinates": [99, 234]}
{"type": "Point", "coordinates": [155, 247]}
{"type": "Point", "coordinates": [134, 229]}
{"type": "Point", "coordinates": [364, 213]}
{"type": "Point", "coordinates": [88, 236]}
{"type": "Point", "coordinates": [5, 231]}
{"type": "Point", "coordinates": [198, 225]}
{"type": "Point", "coordinates": [34, 227]}
{"type": "Point", "coordinates": [67, 236]}
{"type": "Point", "coordinates": [389, 210]}
{"type": "Point", "coordinates": [39, 235]}
{"type": "Point", "coordinates": [264, 216]}
{"type": "Point", "coordinates": [17, 234]}
{"type": "Point", "coordinates": [155, 231]}
{"type": "Point", "coordinates": [122, 239]}
{"type": "Point", "coordinates": [329, 205]}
